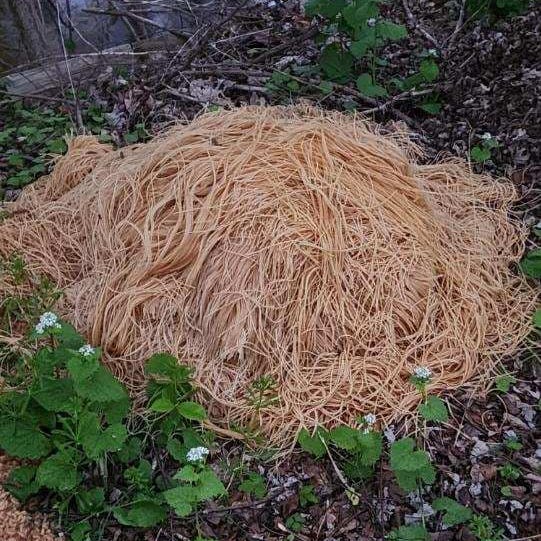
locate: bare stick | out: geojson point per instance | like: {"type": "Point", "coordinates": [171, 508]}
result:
{"type": "Point", "coordinates": [414, 23]}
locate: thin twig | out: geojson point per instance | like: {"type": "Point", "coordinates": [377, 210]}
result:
{"type": "Point", "coordinates": [310, 33]}
{"type": "Point", "coordinates": [414, 23]}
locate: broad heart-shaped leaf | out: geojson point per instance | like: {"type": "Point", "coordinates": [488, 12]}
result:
{"type": "Point", "coordinates": [90, 501]}
{"type": "Point", "coordinates": [410, 466]}
{"type": "Point", "coordinates": [187, 473]}
{"type": "Point", "coordinates": [131, 450]}
{"type": "Point", "coordinates": [413, 532]}
{"type": "Point", "coordinates": [369, 446]}
{"type": "Point", "coordinates": [176, 449]}
{"type": "Point", "coordinates": [68, 337]}
{"type": "Point", "coordinates": [182, 499]}
{"type": "Point", "coordinates": [55, 394]}
{"type": "Point", "coordinates": [455, 513]}
{"type": "Point", "coordinates": [365, 42]}
{"type": "Point", "coordinates": [142, 514]}
{"type": "Point", "coordinates": [366, 86]}
{"type": "Point", "coordinates": [479, 154]}
{"type": "Point", "coordinates": [336, 63]}
{"type": "Point", "coordinates": [209, 485]}
{"type": "Point", "coordinates": [429, 70]}
{"type": "Point", "coordinates": [434, 409]}
{"type": "Point", "coordinates": [531, 264]}
{"type": "Point", "coordinates": [101, 386]}
{"type": "Point", "coordinates": [81, 368]}
{"type": "Point", "coordinates": [357, 13]}
{"type": "Point", "coordinates": [59, 472]}
{"type": "Point", "coordinates": [192, 411]}
{"type": "Point", "coordinates": [22, 483]}
{"type": "Point", "coordinates": [96, 441]}
{"type": "Point", "coordinates": [536, 318]}
{"type": "Point", "coordinates": [392, 31]}
{"type": "Point", "coordinates": [312, 444]}
{"type": "Point", "coordinates": [23, 440]}
{"type": "Point", "coordinates": [325, 8]}
{"type": "Point", "coordinates": [162, 364]}
{"type": "Point", "coordinates": [406, 480]}
{"type": "Point", "coordinates": [344, 437]}
{"type": "Point", "coordinates": [431, 107]}
{"type": "Point", "coordinates": [161, 405]}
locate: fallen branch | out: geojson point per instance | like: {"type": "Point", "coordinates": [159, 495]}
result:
{"type": "Point", "coordinates": [414, 23]}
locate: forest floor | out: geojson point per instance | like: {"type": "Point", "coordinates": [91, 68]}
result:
{"type": "Point", "coordinates": [489, 80]}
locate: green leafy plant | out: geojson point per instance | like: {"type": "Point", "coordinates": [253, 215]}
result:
{"type": "Point", "coordinates": [307, 495]}
{"type": "Point", "coordinates": [434, 409]}
{"type": "Point", "coordinates": [353, 33]}
{"type": "Point", "coordinates": [509, 472]}
{"type": "Point", "coordinates": [531, 264]}
{"type": "Point", "coordinates": [484, 529]}
{"type": "Point", "coordinates": [413, 532]}
{"type": "Point", "coordinates": [483, 151]}
{"type": "Point", "coordinates": [496, 9]}
{"type": "Point", "coordinates": [254, 484]}
{"type": "Point", "coordinates": [503, 383]}
{"type": "Point", "coordinates": [410, 466]}
{"type": "Point", "coordinates": [313, 443]}
{"type": "Point", "coordinates": [295, 522]}
{"type": "Point", "coordinates": [453, 512]}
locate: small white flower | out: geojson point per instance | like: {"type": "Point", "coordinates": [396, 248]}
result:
{"type": "Point", "coordinates": [422, 372]}
{"type": "Point", "coordinates": [46, 321]}
{"type": "Point", "coordinates": [433, 52]}
{"type": "Point", "coordinates": [371, 21]}
{"type": "Point", "coordinates": [195, 454]}
{"type": "Point", "coordinates": [87, 350]}
{"type": "Point", "coordinates": [369, 419]}
{"type": "Point", "coordinates": [486, 136]}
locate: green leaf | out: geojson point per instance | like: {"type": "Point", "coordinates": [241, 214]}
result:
{"type": "Point", "coordinates": [209, 485]}
{"type": "Point", "coordinates": [131, 450]}
{"type": "Point", "coordinates": [307, 495]}
{"type": "Point", "coordinates": [69, 337]}
{"type": "Point", "coordinates": [22, 483]}
{"type": "Point", "coordinates": [369, 447]}
{"type": "Point", "coordinates": [479, 154]}
{"type": "Point", "coordinates": [142, 514]}
{"type": "Point", "coordinates": [101, 386]}
{"type": "Point", "coordinates": [59, 472]}
{"type": "Point", "coordinates": [81, 368]}
{"type": "Point", "coordinates": [96, 441]}
{"type": "Point", "coordinates": [192, 411]}
{"type": "Point", "coordinates": [344, 437]}
{"type": "Point", "coordinates": [366, 42]}
{"type": "Point", "coordinates": [503, 383]}
{"type": "Point", "coordinates": [55, 394]}
{"type": "Point", "coordinates": [187, 473]}
{"type": "Point", "coordinates": [254, 484]}
{"type": "Point", "coordinates": [81, 531]}
{"type": "Point", "coordinates": [182, 499]}
{"type": "Point", "coordinates": [429, 70]}
{"type": "Point", "coordinates": [162, 364]}
{"type": "Point", "coordinates": [336, 63]}
{"type": "Point", "coordinates": [368, 87]}
{"type": "Point", "coordinates": [414, 532]}
{"type": "Point", "coordinates": [162, 405]}
{"type": "Point", "coordinates": [23, 440]}
{"type": "Point", "coordinates": [431, 107]}
{"type": "Point", "coordinates": [57, 146]}
{"type": "Point", "coordinates": [326, 87]}
{"type": "Point", "coordinates": [410, 466]}
{"type": "Point", "coordinates": [434, 409]}
{"type": "Point", "coordinates": [356, 15]}
{"type": "Point", "coordinates": [454, 513]}
{"type": "Point", "coordinates": [90, 500]}
{"type": "Point", "coordinates": [312, 444]}
{"type": "Point", "coordinates": [531, 264]}
{"type": "Point", "coordinates": [392, 31]}
{"type": "Point", "coordinates": [325, 8]}
{"type": "Point", "coordinates": [536, 318]}
{"type": "Point", "coordinates": [176, 449]}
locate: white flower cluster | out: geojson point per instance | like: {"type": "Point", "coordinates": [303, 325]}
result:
{"type": "Point", "coordinates": [195, 454]}
{"type": "Point", "coordinates": [422, 372]}
{"type": "Point", "coordinates": [370, 419]}
{"type": "Point", "coordinates": [486, 136]}
{"type": "Point", "coordinates": [371, 22]}
{"type": "Point", "coordinates": [87, 350]}
{"type": "Point", "coordinates": [48, 320]}
{"type": "Point", "coordinates": [432, 52]}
